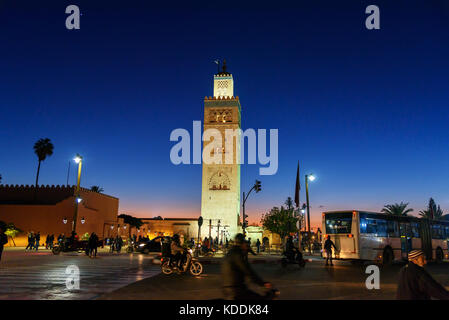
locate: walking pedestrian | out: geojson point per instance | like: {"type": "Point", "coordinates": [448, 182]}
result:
{"type": "Point", "coordinates": [111, 245]}
{"type": "Point", "coordinates": [37, 238]}
{"type": "Point", "coordinates": [30, 241]}
{"type": "Point", "coordinates": [258, 245]}
{"type": "Point", "coordinates": [118, 244]}
{"type": "Point", "coordinates": [46, 241]}
{"type": "Point", "coordinates": [328, 244]}
{"type": "Point", "coordinates": [3, 241]}
{"type": "Point", "coordinates": [415, 283]}
{"type": "Point", "coordinates": [52, 240]}
{"type": "Point", "coordinates": [92, 245]}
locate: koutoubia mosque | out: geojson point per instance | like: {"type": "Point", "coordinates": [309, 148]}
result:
{"type": "Point", "coordinates": [220, 196]}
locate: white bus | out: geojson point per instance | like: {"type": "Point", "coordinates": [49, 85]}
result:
{"type": "Point", "coordinates": [380, 237]}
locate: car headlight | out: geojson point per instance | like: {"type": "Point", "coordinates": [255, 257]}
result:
{"type": "Point", "coordinates": [142, 245]}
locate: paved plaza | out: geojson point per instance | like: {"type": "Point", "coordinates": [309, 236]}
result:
{"type": "Point", "coordinates": [41, 275]}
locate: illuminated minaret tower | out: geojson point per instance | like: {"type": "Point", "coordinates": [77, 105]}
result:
{"type": "Point", "coordinates": [220, 198]}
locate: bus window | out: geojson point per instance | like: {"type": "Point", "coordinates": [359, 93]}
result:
{"type": "Point", "coordinates": [338, 222]}
{"type": "Point", "coordinates": [437, 231]}
{"type": "Point", "coordinates": [377, 227]}
{"type": "Point", "coordinates": [392, 229]}
{"type": "Point", "coordinates": [415, 230]}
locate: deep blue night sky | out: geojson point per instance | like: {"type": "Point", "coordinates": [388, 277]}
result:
{"type": "Point", "coordinates": [366, 111]}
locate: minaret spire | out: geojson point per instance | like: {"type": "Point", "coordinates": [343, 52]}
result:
{"type": "Point", "coordinates": [223, 70]}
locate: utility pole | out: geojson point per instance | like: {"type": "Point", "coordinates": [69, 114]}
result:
{"type": "Point", "coordinates": [311, 178]}
{"type": "Point", "coordinates": [79, 160]}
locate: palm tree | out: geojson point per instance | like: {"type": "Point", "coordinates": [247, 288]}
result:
{"type": "Point", "coordinates": [433, 211]}
{"type": "Point", "coordinates": [289, 203]}
{"type": "Point", "coordinates": [96, 189]}
{"type": "Point", "coordinates": [397, 209]}
{"type": "Point", "coordinates": [42, 148]}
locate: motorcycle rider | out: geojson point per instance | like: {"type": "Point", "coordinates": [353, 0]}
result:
{"type": "Point", "coordinates": [290, 249]}
{"type": "Point", "coordinates": [234, 270]}
{"type": "Point", "coordinates": [177, 251]}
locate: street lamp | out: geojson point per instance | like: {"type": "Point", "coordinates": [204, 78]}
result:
{"type": "Point", "coordinates": [79, 160]}
{"type": "Point", "coordinates": [310, 177]}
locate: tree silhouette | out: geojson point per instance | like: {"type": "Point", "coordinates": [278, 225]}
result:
{"type": "Point", "coordinates": [289, 203]}
{"type": "Point", "coordinates": [433, 211]}
{"type": "Point", "coordinates": [42, 148]}
{"type": "Point", "coordinates": [132, 221]}
{"type": "Point", "coordinates": [397, 209]}
{"type": "Point", "coordinates": [97, 189]}
{"type": "Point", "coordinates": [281, 221]}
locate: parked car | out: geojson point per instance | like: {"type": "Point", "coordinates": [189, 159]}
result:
{"type": "Point", "coordinates": [154, 245]}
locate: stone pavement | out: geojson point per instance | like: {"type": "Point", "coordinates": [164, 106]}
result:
{"type": "Point", "coordinates": [42, 275]}
{"type": "Point", "coordinates": [344, 281]}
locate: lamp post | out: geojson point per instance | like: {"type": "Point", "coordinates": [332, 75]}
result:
{"type": "Point", "coordinates": [79, 160]}
{"type": "Point", "coordinates": [310, 177]}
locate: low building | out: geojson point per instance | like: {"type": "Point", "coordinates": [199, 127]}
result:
{"type": "Point", "coordinates": [188, 227]}
{"type": "Point", "coordinates": [50, 210]}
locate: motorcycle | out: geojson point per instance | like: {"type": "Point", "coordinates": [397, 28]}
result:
{"type": "Point", "coordinates": [68, 246]}
{"type": "Point", "coordinates": [190, 264]}
{"type": "Point", "coordinates": [293, 258]}
{"type": "Point", "coordinates": [132, 247]}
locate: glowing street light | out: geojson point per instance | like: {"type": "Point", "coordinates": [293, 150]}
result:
{"type": "Point", "coordinates": [79, 160]}
{"type": "Point", "coordinates": [310, 177]}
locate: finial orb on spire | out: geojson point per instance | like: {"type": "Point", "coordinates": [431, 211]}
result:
{"type": "Point", "coordinates": [224, 71]}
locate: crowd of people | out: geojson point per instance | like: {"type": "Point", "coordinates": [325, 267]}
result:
{"type": "Point", "coordinates": [33, 241]}
{"type": "Point", "coordinates": [114, 243]}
